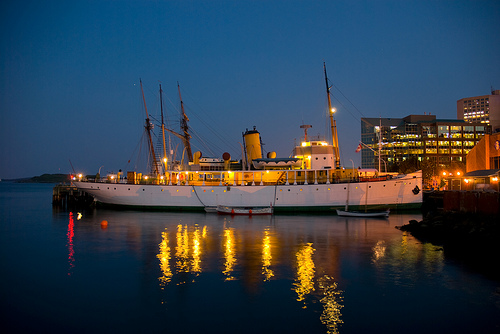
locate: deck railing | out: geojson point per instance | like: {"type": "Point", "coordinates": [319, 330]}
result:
{"type": "Point", "coordinates": [239, 178]}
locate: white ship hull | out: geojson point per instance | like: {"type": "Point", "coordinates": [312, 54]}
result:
{"type": "Point", "coordinates": [398, 193]}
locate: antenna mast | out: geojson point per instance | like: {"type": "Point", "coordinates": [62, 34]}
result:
{"type": "Point", "coordinates": [333, 123]}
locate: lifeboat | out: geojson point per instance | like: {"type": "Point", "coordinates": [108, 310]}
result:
{"type": "Point", "coordinates": [276, 163]}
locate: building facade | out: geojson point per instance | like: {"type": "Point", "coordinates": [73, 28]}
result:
{"type": "Point", "coordinates": [418, 136]}
{"type": "Point", "coordinates": [485, 155]}
{"type": "Point", "coordinates": [481, 109]}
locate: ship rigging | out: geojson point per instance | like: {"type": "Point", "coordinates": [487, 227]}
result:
{"type": "Point", "coordinates": [310, 180]}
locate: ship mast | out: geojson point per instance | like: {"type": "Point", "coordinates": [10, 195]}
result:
{"type": "Point", "coordinates": [333, 123]}
{"type": "Point", "coordinates": [184, 128]}
{"type": "Point", "coordinates": [163, 132]}
{"type": "Point", "coordinates": [380, 144]}
{"type": "Point", "coordinates": [149, 127]}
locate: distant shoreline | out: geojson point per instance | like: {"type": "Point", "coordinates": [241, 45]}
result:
{"type": "Point", "coordinates": [44, 178]}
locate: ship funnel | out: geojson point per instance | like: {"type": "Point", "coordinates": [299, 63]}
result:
{"type": "Point", "coordinates": [196, 157]}
{"type": "Point", "coordinates": [227, 160]}
{"type": "Point", "coordinates": [252, 145]}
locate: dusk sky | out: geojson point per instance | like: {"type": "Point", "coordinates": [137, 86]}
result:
{"type": "Point", "coordinates": [70, 71]}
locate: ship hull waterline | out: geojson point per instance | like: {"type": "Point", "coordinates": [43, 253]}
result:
{"type": "Point", "coordinates": [397, 194]}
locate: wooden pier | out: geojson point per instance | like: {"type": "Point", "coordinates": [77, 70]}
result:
{"type": "Point", "coordinates": [68, 196]}
{"type": "Point", "coordinates": [463, 201]}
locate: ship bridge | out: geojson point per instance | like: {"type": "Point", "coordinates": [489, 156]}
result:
{"type": "Point", "coordinates": [315, 154]}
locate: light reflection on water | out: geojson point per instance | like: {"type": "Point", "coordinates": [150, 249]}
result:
{"type": "Point", "coordinates": [164, 257]}
{"type": "Point", "coordinates": [229, 254]}
{"type": "Point", "coordinates": [192, 273]}
{"type": "Point", "coordinates": [307, 252]}
{"type": "Point", "coordinates": [71, 251]}
{"type": "Point", "coordinates": [267, 256]}
{"type": "Point", "coordinates": [304, 282]}
{"type": "Point", "coordinates": [332, 304]}
{"type": "Point", "coordinates": [404, 262]}
{"type": "Point", "coordinates": [190, 246]}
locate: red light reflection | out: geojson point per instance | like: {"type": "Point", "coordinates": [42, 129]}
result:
{"type": "Point", "coordinates": [71, 251]}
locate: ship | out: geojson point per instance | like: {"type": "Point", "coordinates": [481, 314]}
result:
{"type": "Point", "coordinates": [310, 180]}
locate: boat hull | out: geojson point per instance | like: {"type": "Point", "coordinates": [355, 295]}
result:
{"type": "Point", "coordinates": [367, 214]}
{"type": "Point", "coordinates": [399, 193]}
{"type": "Point", "coordinates": [246, 211]}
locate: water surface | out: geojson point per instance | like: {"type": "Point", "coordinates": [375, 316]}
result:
{"type": "Point", "coordinates": [202, 273]}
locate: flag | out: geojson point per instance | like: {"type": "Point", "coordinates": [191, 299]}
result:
{"type": "Point", "coordinates": [359, 148]}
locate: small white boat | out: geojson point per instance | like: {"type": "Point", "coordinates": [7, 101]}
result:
{"type": "Point", "coordinates": [362, 214]}
{"type": "Point", "coordinates": [248, 211]}
{"type": "Point", "coordinates": [210, 209]}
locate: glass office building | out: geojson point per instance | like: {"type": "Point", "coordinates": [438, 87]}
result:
{"type": "Point", "coordinates": [441, 141]}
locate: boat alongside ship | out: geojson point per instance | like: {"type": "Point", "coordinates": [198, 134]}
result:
{"type": "Point", "coordinates": [244, 211]}
{"type": "Point", "coordinates": [311, 180]}
{"type": "Point", "coordinates": [364, 214]}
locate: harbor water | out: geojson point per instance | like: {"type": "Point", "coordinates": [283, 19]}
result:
{"type": "Point", "coordinates": [104, 271]}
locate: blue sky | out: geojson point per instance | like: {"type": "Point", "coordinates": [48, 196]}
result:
{"type": "Point", "coordinates": [69, 88]}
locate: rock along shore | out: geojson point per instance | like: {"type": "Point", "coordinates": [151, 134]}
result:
{"type": "Point", "coordinates": [471, 237]}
